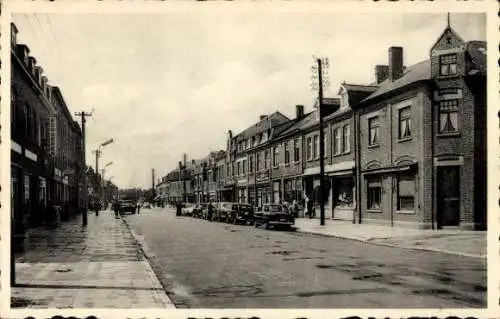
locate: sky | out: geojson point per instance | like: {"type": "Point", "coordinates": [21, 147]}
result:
{"type": "Point", "coordinates": [166, 84]}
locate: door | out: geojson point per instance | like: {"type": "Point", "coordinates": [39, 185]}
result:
{"type": "Point", "coordinates": [448, 192]}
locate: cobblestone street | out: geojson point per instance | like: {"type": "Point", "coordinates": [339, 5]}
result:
{"type": "Point", "coordinates": [100, 266]}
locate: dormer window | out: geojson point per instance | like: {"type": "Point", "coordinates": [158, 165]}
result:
{"type": "Point", "coordinates": [448, 64]}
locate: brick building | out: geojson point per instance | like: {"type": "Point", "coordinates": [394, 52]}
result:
{"type": "Point", "coordinates": [46, 147]}
{"type": "Point", "coordinates": [408, 150]}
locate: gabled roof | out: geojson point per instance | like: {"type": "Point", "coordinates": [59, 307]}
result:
{"type": "Point", "coordinates": [415, 73]}
{"type": "Point", "coordinates": [298, 124]}
{"type": "Point", "coordinates": [271, 120]}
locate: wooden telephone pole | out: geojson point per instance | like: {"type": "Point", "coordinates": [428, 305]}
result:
{"type": "Point", "coordinates": [83, 116]}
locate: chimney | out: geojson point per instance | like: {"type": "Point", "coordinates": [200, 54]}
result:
{"type": "Point", "coordinates": [299, 111]}
{"type": "Point", "coordinates": [13, 34]}
{"type": "Point", "coordinates": [192, 162]}
{"type": "Point", "coordinates": [262, 117]}
{"type": "Point", "coordinates": [381, 73]}
{"type": "Point", "coordinates": [44, 84]}
{"type": "Point", "coordinates": [395, 63]}
{"type": "Point", "coordinates": [184, 158]}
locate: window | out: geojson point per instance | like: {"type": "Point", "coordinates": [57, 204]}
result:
{"type": "Point", "coordinates": [244, 166]}
{"type": "Point", "coordinates": [254, 141]}
{"type": "Point", "coordinates": [296, 150]}
{"type": "Point", "coordinates": [316, 147]}
{"type": "Point", "coordinates": [325, 146]}
{"type": "Point", "coordinates": [406, 192]}
{"type": "Point", "coordinates": [336, 141]}
{"type": "Point", "coordinates": [250, 163]}
{"type": "Point", "coordinates": [266, 159]}
{"type": "Point", "coordinates": [346, 143]}
{"type": "Point", "coordinates": [275, 156]}
{"type": "Point", "coordinates": [374, 194]}
{"type": "Point", "coordinates": [405, 122]}
{"type": "Point", "coordinates": [448, 64]}
{"type": "Point", "coordinates": [257, 160]}
{"type": "Point", "coordinates": [239, 167]}
{"type": "Point", "coordinates": [309, 148]}
{"type": "Point", "coordinates": [373, 131]}
{"type": "Point", "coordinates": [287, 153]}
{"type": "Point", "coordinates": [448, 116]}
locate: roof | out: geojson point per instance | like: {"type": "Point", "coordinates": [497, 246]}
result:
{"type": "Point", "coordinates": [415, 73]}
{"type": "Point", "coordinates": [299, 124]}
{"type": "Point", "coordinates": [477, 53]}
{"type": "Point", "coordinates": [273, 119]}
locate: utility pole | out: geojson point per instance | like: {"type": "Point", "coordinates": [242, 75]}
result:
{"type": "Point", "coordinates": [321, 145]}
{"type": "Point", "coordinates": [97, 185]}
{"type": "Point", "coordinates": [83, 116]}
{"type": "Point", "coordinates": [153, 193]}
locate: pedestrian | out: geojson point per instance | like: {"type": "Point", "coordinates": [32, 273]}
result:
{"type": "Point", "coordinates": [210, 211]}
{"type": "Point", "coordinates": [116, 208]}
{"type": "Point", "coordinates": [310, 208]}
{"type": "Point", "coordinates": [138, 208]}
{"type": "Point", "coordinates": [295, 208]}
{"type": "Point", "coordinates": [306, 206]}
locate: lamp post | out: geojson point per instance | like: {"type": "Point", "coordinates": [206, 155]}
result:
{"type": "Point", "coordinates": [97, 184]}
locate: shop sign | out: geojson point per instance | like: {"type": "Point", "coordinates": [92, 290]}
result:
{"type": "Point", "coordinates": [29, 154]}
{"type": "Point", "coordinates": [16, 147]}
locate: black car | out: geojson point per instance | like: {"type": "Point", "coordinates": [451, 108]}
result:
{"type": "Point", "coordinates": [242, 214]}
{"type": "Point", "coordinates": [274, 215]}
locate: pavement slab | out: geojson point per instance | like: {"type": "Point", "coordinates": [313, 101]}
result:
{"type": "Point", "coordinates": [98, 266]}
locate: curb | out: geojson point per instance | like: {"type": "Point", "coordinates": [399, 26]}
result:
{"type": "Point", "coordinates": [370, 241]}
{"type": "Point", "coordinates": [147, 254]}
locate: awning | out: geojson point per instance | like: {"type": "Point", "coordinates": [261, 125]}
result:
{"type": "Point", "coordinates": [384, 170]}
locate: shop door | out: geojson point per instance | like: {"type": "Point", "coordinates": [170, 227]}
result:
{"type": "Point", "coordinates": [448, 192]}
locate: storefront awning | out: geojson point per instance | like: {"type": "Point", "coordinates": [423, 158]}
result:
{"type": "Point", "coordinates": [389, 169]}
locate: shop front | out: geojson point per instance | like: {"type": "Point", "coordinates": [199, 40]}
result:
{"type": "Point", "coordinates": [312, 189]}
{"type": "Point", "coordinates": [293, 190]}
{"type": "Point", "coordinates": [343, 194]}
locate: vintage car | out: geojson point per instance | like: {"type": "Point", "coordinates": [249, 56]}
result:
{"type": "Point", "coordinates": [274, 215]}
{"type": "Point", "coordinates": [128, 205]}
{"type": "Point", "coordinates": [222, 211]}
{"type": "Point", "coordinates": [188, 208]}
{"type": "Point", "coordinates": [242, 214]}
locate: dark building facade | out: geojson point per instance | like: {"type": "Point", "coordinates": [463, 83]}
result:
{"type": "Point", "coordinates": [46, 147]}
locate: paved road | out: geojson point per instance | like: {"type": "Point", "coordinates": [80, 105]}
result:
{"type": "Point", "coordinates": [214, 265]}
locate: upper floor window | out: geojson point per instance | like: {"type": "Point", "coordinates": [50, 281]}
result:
{"type": "Point", "coordinates": [373, 124]}
{"type": "Point", "coordinates": [405, 122]}
{"type": "Point", "coordinates": [239, 166]}
{"type": "Point", "coordinates": [264, 137]}
{"type": "Point", "coordinates": [448, 116]}
{"type": "Point", "coordinates": [336, 141]}
{"type": "Point", "coordinates": [448, 64]}
{"type": "Point", "coordinates": [244, 166]}
{"type": "Point", "coordinates": [316, 146]}
{"type": "Point", "coordinates": [287, 153]}
{"type": "Point", "coordinates": [257, 162]}
{"type": "Point", "coordinates": [296, 150]}
{"type": "Point", "coordinates": [275, 156]}
{"type": "Point", "coordinates": [309, 153]}
{"type": "Point", "coordinates": [266, 159]}
{"type": "Point", "coordinates": [346, 143]}
{"type": "Point", "coordinates": [250, 164]}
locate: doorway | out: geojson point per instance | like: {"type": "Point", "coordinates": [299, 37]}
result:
{"type": "Point", "coordinates": [448, 196]}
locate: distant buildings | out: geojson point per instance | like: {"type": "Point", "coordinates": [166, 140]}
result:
{"type": "Point", "coordinates": [408, 150]}
{"type": "Point", "coordinates": [46, 146]}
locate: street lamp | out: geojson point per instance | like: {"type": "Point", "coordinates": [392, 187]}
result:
{"type": "Point", "coordinates": [97, 155]}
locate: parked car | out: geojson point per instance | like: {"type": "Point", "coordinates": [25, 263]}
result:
{"type": "Point", "coordinates": [198, 210]}
{"type": "Point", "coordinates": [222, 211]}
{"type": "Point", "coordinates": [274, 215]}
{"type": "Point", "coordinates": [128, 205]}
{"type": "Point", "coordinates": [188, 208]}
{"type": "Point", "coordinates": [146, 205]}
{"type": "Point", "coordinates": [242, 214]}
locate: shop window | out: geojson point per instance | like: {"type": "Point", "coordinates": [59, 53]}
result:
{"type": "Point", "coordinates": [374, 194]}
{"type": "Point", "coordinates": [346, 143]}
{"type": "Point", "coordinates": [344, 193]}
{"type": "Point", "coordinates": [448, 64]}
{"type": "Point", "coordinates": [287, 153]}
{"type": "Point", "coordinates": [296, 150]}
{"type": "Point", "coordinates": [316, 147]}
{"type": "Point", "coordinates": [405, 122]}
{"type": "Point", "coordinates": [406, 192]}
{"type": "Point", "coordinates": [309, 149]}
{"type": "Point", "coordinates": [448, 116]}
{"type": "Point", "coordinates": [373, 124]}
{"type": "Point", "coordinates": [336, 141]}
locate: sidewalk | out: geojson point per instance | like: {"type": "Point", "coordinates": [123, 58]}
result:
{"type": "Point", "coordinates": [451, 241]}
{"type": "Point", "coordinates": [100, 266]}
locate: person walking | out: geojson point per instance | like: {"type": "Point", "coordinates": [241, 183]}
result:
{"type": "Point", "coordinates": [306, 206]}
{"type": "Point", "coordinates": [210, 211]}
